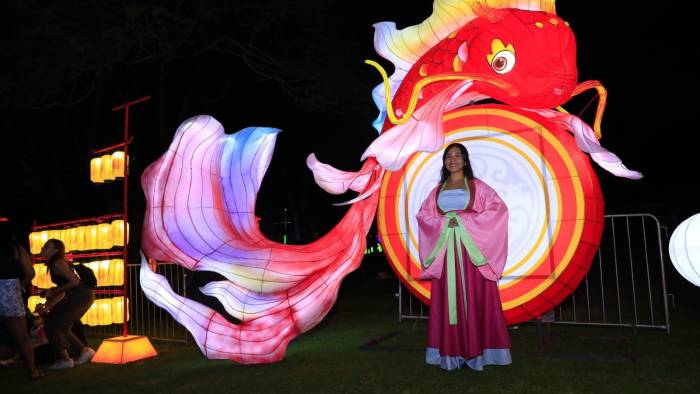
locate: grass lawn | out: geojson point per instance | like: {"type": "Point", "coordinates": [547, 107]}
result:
{"type": "Point", "coordinates": [338, 356]}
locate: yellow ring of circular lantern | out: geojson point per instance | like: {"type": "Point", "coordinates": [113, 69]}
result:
{"type": "Point", "coordinates": [548, 257]}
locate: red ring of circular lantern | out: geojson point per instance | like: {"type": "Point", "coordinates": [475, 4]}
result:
{"type": "Point", "coordinates": [555, 227]}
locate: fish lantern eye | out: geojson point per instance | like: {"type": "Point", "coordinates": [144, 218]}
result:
{"type": "Point", "coordinates": [503, 62]}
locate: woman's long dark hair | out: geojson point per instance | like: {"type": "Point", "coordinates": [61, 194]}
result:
{"type": "Point", "coordinates": [60, 253]}
{"type": "Point", "coordinates": [444, 174]}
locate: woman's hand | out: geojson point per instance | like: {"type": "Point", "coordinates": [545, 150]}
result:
{"type": "Point", "coordinates": [41, 310]}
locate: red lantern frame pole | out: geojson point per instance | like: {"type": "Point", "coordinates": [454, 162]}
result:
{"type": "Point", "coordinates": [113, 147]}
{"type": "Point", "coordinates": [126, 348]}
{"type": "Point", "coordinates": [125, 212]}
{"type": "Point", "coordinates": [94, 219]}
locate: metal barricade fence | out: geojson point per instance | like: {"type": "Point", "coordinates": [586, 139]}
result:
{"type": "Point", "coordinates": [145, 318]}
{"type": "Point", "coordinates": [625, 286]}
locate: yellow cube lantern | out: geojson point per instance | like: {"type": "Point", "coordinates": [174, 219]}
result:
{"type": "Point", "coordinates": [116, 272]}
{"type": "Point", "coordinates": [104, 312]}
{"type": "Point", "coordinates": [106, 168]}
{"type": "Point", "coordinates": [34, 301]}
{"type": "Point", "coordinates": [55, 234]}
{"type": "Point", "coordinates": [102, 272]}
{"type": "Point", "coordinates": [42, 278]}
{"type": "Point", "coordinates": [96, 170]}
{"type": "Point", "coordinates": [104, 236]}
{"type": "Point", "coordinates": [85, 230]}
{"type": "Point", "coordinates": [35, 242]}
{"type": "Point", "coordinates": [118, 164]}
{"type": "Point", "coordinates": [117, 309]}
{"type": "Point", "coordinates": [99, 314]}
{"type": "Point", "coordinates": [118, 232]}
{"type": "Point", "coordinates": [108, 272]}
{"type": "Point", "coordinates": [80, 237]}
{"type": "Point", "coordinates": [103, 278]}
{"type": "Point", "coordinates": [91, 238]}
{"type": "Point", "coordinates": [95, 267]}
{"type": "Point", "coordinates": [71, 236]}
{"type": "Point", "coordinates": [44, 238]}
{"type": "Point", "coordinates": [90, 317]}
{"type": "Point", "coordinates": [66, 241]}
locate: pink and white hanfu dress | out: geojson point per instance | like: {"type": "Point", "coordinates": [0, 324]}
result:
{"type": "Point", "coordinates": [466, 325]}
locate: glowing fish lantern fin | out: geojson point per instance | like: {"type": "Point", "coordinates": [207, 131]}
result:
{"type": "Point", "coordinates": [586, 141]}
{"type": "Point", "coordinates": [336, 181]}
{"type": "Point", "coordinates": [422, 133]}
{"type": "Point", "coordinates": [201, 213]}
{"type": "Point", "coordinates": [201, 192]}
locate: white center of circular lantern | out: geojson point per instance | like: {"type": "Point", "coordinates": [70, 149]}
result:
{"type": "Point", "coordinates": [512, 167]}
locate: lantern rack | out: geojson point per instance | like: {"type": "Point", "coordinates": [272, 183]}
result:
{"type": "Point", "coordinates": [68, 232]}
{"type": "Point", "coordinates": [103, 240]}
{"type": "Point", "coordinates": [95, 248]}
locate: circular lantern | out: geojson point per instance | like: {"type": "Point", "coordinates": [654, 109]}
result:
{"type": "Point", "coordinates": [553, 197]}
{"type": "Point", "coordinates": [684, 249]}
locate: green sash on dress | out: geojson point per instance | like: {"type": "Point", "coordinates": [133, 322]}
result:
{"type": "Point", "coordinates": [454, 238]}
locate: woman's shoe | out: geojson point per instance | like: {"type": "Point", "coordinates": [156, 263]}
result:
{"type": "Point", "coordinates": [62, 364]}
{"type": "Point", "coordinates": [85, 356]}
{"type": "Point", "coordinates": [36, 375]}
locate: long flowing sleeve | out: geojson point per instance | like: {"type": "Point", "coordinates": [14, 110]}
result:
{"type": "Point", "coordinates": [487, 223]}
{"type": "Point", "coordinates": [430, 228]}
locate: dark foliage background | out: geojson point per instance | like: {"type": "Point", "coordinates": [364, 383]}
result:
{"type": "Point", "coordinates": [297, 66]}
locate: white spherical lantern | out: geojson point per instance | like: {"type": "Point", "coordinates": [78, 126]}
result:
{"type": "Point", "coordinates": [684, 249]}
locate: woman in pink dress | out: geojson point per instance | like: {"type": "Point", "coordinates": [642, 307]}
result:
{"type": "Point", "coordinates": [463, 242]}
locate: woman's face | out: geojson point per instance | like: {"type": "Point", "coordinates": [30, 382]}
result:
{"type": "Point", "coordinates": [48, 250]}
{"type": "Point", "coordinates": [453, 160]}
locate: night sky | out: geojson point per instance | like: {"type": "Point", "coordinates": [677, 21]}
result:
{"type": "Point", "coordinates": [297, 66]}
